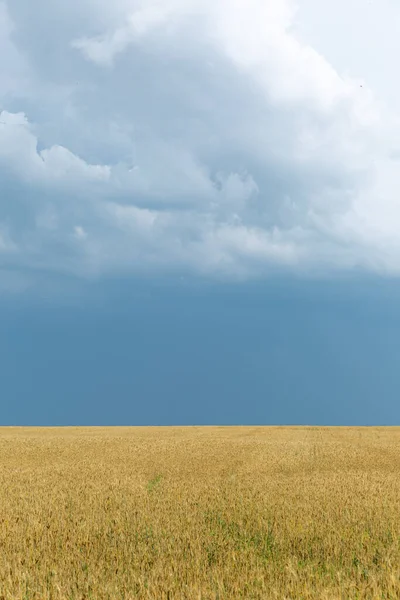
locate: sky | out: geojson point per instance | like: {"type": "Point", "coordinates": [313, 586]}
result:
{"type": "Point", "coordinates": [199, 213]}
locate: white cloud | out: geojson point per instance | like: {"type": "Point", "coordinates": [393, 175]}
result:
{"type": "Point", "coordinates": [12, 66]}
{"type": "Point", "coordinates": [19, 152]}
{"type": "Point", "coordinates": [103, 48]}
{"type": "Point", "coordinates": [209, 136]}
{"type": "Point", "coordinates": [79, 233]}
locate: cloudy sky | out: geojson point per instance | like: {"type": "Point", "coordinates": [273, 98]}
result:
{"type": "Point", "coordinates": [223, 141]}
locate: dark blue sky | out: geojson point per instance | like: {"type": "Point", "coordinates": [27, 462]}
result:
{"type": "Point", "coordinates": [184, 352]}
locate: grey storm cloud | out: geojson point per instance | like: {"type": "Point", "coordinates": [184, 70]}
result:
{"type": "Point", "coordinates": [200, 136]}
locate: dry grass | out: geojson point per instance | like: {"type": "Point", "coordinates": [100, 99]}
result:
{"type": "Point", "coordinates": [199, 513]}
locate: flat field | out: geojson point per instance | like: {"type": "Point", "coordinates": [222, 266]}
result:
{"type": "Point", "coordinates": [199, 513]}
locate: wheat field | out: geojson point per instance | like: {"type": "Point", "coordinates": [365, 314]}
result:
{"type": "Point", "coordinates": [199, 513]}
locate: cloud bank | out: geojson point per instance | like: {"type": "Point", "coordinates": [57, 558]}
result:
{"type": "Point", "coordinates": [194, 136]}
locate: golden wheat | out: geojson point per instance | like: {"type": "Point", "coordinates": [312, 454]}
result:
{"type": "Point", "coordinates": [199, 513]}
